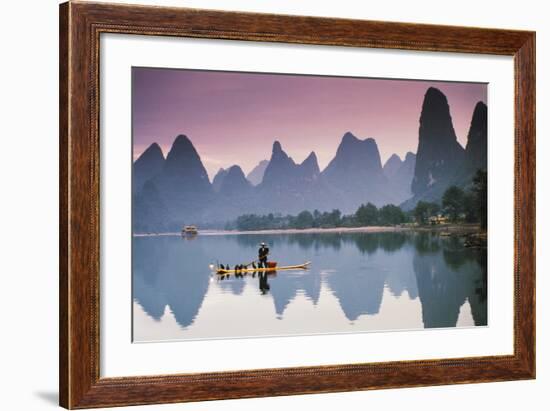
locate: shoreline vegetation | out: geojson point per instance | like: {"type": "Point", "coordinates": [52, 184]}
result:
{"type": "Point", "coordinates": [457, 206]}
{"type": "Point", "coordinates": [460, 213]}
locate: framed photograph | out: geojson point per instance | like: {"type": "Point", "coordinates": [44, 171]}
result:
{"type": "Point", "coordinates": [259, 205]}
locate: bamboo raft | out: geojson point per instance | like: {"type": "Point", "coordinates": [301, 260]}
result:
{"type": "Point", "coordinates": [264, 270]}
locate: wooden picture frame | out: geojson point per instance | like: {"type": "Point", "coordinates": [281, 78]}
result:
{"type": "Point", "coordinates": [80, 27]}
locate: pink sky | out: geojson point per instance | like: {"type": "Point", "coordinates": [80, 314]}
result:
{"type": "Point", "coordinates": [233, 117]}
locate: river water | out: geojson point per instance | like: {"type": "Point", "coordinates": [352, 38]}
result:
{"type": "Point", "coordinates": [357, 282]}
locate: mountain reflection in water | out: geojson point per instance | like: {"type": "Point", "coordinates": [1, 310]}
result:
{"type": "Point", "coordinates": [357, 282]}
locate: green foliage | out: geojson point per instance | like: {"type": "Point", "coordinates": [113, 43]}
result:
{"type": "Point", "coordinates": [479, 191]}
{"type": "Point", "coordinates": [348, 221]}
{"type": "Point", "coordinates": [248, 222]}
{"type": "Point", "coordinates": [304, 220]}
{"type": "Point", "coordinates": [367, 215]}
{"type": "Point", "coordinates": [425, 210]}
{"type": "Point", "coordinates": [331, 219]}
{"type": "Point", "coordinates": [391, 215]}
{"type": "Point", "coordinates": [471, 212]}
{"type": "Point", "coordinates": [458, 204]}
{"type": "Point", "coordinates": [453, 202]}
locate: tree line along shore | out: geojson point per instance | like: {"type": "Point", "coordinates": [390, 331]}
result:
{"type": "Point", "coordinates": [457, 206]}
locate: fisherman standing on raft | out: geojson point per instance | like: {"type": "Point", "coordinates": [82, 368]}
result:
{"type": "Point", "coordinates": [262, 255]}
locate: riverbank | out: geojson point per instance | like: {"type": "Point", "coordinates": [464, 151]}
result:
{"type": "Point", "coordinates": [448, 229]}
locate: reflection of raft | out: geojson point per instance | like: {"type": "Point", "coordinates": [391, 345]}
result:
{"type": "Point", "coordinates": [268, 269]}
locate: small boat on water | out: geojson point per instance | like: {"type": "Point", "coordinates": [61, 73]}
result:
{"type": "Point", "coordinates": [189, 230]}
{"type": "Point", "coordinates": [268, 269]}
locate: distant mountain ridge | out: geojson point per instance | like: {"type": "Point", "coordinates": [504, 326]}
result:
{"type": "Point", "coordinates": [355, 175]}
{"type": "Point", "coordinates": [257, 174]}
{"type": "Point", "coordinates": [440, 160]}
{"type": "Point", "coordinates": [218, 179]}
{"type": "Point", "coordinates": [439, 154]}
{"type": "Point", "coordinates": [476, 149]}
{"type": "Point", "coordinates": [392, 165]}
{"type": "Point", "coordinates": [173, 191]}
{"type": "Point", "coordinates": [355, 157]}
{"type": "Point", "coordinates": [400, 175]}
{"type": "Point", "coordinates": [148, 165]}
{"type": "Point", "coordinates": [180, 188]}
{"type": "Point", "coordinates": [287, 187]}
{"type": "Point", "coordinates": [235, 182]}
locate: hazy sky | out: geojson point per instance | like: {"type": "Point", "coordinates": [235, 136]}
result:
{"type": "Point", "coordinates": [233, 118]}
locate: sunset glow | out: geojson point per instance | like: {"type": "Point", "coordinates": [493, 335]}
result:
{"type": "Point", "coordinates": [231, 115]}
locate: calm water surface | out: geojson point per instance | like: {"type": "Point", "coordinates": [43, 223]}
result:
{"type": "Point", "coordinates": [357, 282]}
